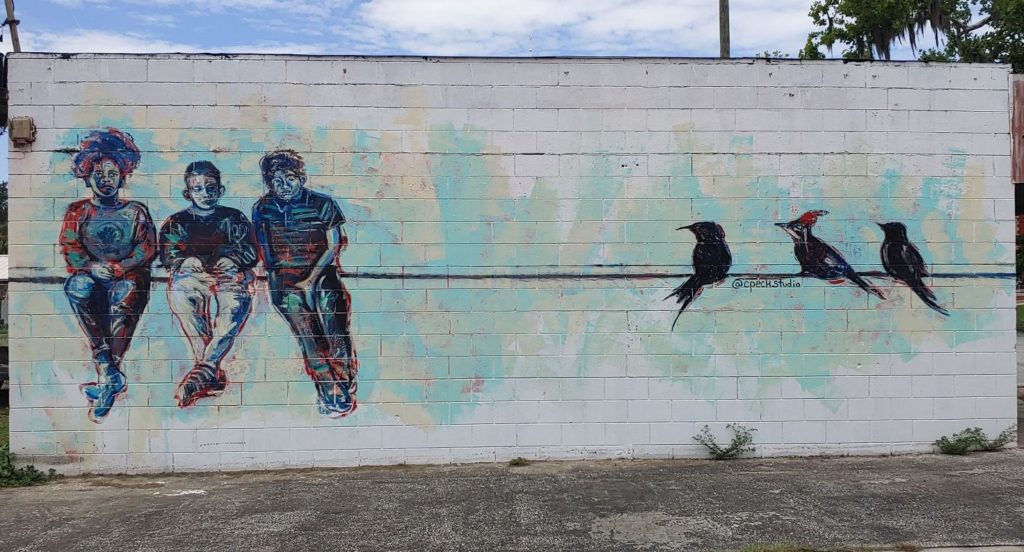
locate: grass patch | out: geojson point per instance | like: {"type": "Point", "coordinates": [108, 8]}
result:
{"type": "Point", "coordinates": [17, 477]}
{"type": "Point", "coordinates": [27, 476]}
{"type": "Point", "coordinates": [5, 428]}
{"type": "Point", "coordinates": [972, 439]}
{"type": "Point", "coordinates": [518, 461]}
{"type": "Point", "coordinates": [1020, 318]}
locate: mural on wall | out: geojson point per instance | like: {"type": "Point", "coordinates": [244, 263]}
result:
{"type": "Point", "coordinates": [712, 260]}
{"type": "Point", "coordinates": [209, 251]}
{"type": "Point", "coordinates": [527, 250]}
{"type": "Point", "coordinates": [300, 236]}
{"type": "Point", "coordinates": [903, 262]}
{"type": "Point", "coordinates": [711, 263]}
{"type": "Point", "coordinates": [819, 259]}
{"type": "Point", "coordinates": [108, 244]}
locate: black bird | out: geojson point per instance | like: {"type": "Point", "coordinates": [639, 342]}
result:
{"type": "Point", "coordinates": [819, 259]}
{"type": "Point", "coordinates": [711, 263]}
{"type": "Point", "coordinates": [904, 263]}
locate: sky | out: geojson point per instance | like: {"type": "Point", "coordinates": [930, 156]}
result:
{"type": "Point", "coordinates": [418, 27]}
{"type": "Point", "coordinates": [686, 28]}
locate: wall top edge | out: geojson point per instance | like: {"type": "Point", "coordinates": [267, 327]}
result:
{"type": "Point", "coordinates": [511, 59]}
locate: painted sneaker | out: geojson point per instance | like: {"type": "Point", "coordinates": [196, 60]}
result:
{"type": "Point", "coordinates": [335, 399]}
{"type": "Point", "coordinates": [102, 394]}
{"type": "Point", "coordinates": [200, 382]}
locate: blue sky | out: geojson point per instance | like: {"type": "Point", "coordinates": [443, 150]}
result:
{"type": "Point", "coordinates": [430, 27]}
{"type": "Point", "coordinates": [415, 27]}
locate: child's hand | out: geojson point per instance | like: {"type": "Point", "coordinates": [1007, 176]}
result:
{"type": "Point", "coordinates": [102, 271]}
{"type": "Point", "coordinates": [191, 264]}
{"type": "Point", "coordinates": [307, 287]}
{"type": "Point", "coordinates": [225, 264]}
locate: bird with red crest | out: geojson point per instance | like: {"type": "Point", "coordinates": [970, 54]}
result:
{"type": "Point", "coordinates": [819, 259]}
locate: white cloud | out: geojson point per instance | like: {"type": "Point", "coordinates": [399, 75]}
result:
{"type": "Point", "coordinates": [95, 41]}
{"type": "Point", "coordinates": [646, 17]}
{"type": "Point", "coordinates": [641, 27]}
{"type": "Point", "coordinates": [272, 48]}
{"type": "Point", "coordinates": [784, 25]}
{"type": "Point", "coordinates": [268, 8]}
{"type": "Point", "coordinates": [480, 17]}
{"type": "Point", "coordinates": [75, 3]}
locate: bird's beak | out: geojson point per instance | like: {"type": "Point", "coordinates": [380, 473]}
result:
{"type": "Point", "coordinates": [880, 225]}
{"type": "Point", "coordinates": [788, 228]}
{"type": "Point", "coordinates": [687, 227]}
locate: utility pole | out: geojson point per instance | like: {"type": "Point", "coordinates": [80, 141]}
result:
{"type": "Point", "coordinates": [13, 23]}
{"type": "Point", "coordinates": [723, 28]}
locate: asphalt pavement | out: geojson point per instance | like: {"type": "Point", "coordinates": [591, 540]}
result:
{"type": "Point", "coordinates": [821, 503]}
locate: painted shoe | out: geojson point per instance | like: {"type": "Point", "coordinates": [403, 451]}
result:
{"type": "Point", "coordinates": [200, 382]}
{"type": "Point", "coordinates": [335, 399]}
{"type": "Point", "coordinates": [102, 394]}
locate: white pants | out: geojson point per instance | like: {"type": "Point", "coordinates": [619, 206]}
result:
{"type": "Point", "coordinates": [190, 295]}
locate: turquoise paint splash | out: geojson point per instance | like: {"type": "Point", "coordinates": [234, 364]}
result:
{"type": "Point", "coordinates": [453, 175]}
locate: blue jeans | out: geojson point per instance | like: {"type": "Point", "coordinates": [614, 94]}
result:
{"type": "Point", "coordinates": [108, 311]}
{"type": "Point", "coordinates": [321, 327]}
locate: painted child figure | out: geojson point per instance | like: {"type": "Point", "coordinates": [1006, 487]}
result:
{"type": "Point", "coordinates": [300, 234]}
{"type": "Point", "coordinates": [209, 251]}
{"type": "Point", "coordinates": [108, 244]}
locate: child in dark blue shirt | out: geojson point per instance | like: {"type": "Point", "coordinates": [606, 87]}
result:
{"type": "Point", "coordinates": [300, 234]}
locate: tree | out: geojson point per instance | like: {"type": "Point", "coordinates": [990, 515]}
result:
{"type": "Point", "coordinates": [868, 29]}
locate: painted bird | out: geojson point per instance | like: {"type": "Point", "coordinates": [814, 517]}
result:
{"type": "Point", "coordinates": [711, 263]}
{"type": "Point", "coordinates": [904, 262]}
{"type": "Point", "coordinates": [819, 259]}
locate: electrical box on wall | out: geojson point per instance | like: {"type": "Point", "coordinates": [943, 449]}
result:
{"type": "Point", "coordinates": [22, 130]}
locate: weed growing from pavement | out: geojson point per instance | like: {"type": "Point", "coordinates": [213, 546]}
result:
{"type": "Point", "coordinates": [518, 461]}
{"type": "Point", "coordinates": [742, 437]}
{"type": "Point", "coordinates": [11, 476]}
{"type": "Point", "coordinates": [973, 439]}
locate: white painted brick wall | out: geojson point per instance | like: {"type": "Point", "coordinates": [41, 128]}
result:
{"type": "Point", "coordinates": [503, 167]}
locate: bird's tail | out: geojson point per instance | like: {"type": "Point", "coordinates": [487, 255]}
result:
{"type": "Point", "coordinates": [685, 294]}
{"type": "Point", "coordinates": [865, 285]}
{"type": "Point", "coordinates": [928, 297]}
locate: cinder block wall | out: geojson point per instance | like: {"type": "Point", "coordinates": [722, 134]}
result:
{"type": "Point", "coordinates": [512, 229]}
